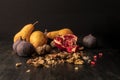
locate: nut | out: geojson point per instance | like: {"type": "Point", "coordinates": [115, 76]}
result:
{"type": "Point", "coordinates": [78, 61]}
{"type": "Point", "coordinates": [53, 59]}
{"type": "Point", "coordinates": [28, 71]}
{"type": "Point", "coordinates": [18, 64]}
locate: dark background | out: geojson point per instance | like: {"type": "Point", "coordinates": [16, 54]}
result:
{"type": "Point", "coordinates": [99, 17]}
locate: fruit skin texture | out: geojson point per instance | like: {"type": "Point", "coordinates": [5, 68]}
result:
{"type": "Point", "coordinates": [24, 49]}
{"type": "Point", "coordinates": [38, 38]}
{"type": "Point", "coordinates": [15, 44]}
{"type": "Point", "coordinates": [25, 32]}
{"type": "Point", "coordinates": [63, 31]}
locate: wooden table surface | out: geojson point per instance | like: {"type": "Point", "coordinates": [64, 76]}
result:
{"type": "Point", "coordinates": [107, 68]}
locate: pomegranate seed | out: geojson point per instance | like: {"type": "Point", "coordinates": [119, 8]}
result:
{"type": "Point", "coordinates": [92, 62]}
{"type": "Point", "coordinates": [95, 56]}
{"type": "Point", "coordinates": [95, 59]}
{"type": "Point", "coordinates": [100, 54]}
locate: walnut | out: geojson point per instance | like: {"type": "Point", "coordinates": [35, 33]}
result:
{"type": "Point", "coordinates": [60, 61]}
{"type": "Point", "coordinates": [78, 61]}
{"type": "Point", "coordinates": [53, 59]}
{"type": "Point", "coordinates": [76, 55]}
{"type": "Point", "coordinates": [40, 61]}
{"type": "Point", "coordinates": [70, 60]}
{"type": "Point", "coordinates": [29, 61]}
{"type": "Point", "coordinates": [62, 55]}
{"type": "Point", "coordinates": [36, 64]}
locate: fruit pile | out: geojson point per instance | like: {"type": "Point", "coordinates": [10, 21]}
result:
{"type": "Point", "coordinates": [51, 48]}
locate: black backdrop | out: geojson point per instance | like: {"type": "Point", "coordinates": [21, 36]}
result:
{"type": "Point", "coordinates": [99, 17]}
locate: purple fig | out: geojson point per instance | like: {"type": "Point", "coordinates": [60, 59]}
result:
{"type": "Point", "coordinates": [89, 41]}
{"type": "Point", "coordinates": [15, 44]}
{"type": "Point", "coordinates": [24, 49]}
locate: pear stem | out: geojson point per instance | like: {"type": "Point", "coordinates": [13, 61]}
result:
{"type": "Point", "coordinates": [45, 32]}
{"type": "Point", "coordinates": [35, 23]}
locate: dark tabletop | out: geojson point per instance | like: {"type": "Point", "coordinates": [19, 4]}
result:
{"type": "Point", "coordinates": [107, 67]}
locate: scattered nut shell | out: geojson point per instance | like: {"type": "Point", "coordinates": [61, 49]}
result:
{"type": "Point", "coordinates": [28, 71]}
{"type": "Point", "coordinates": [78, 61]}
{"type": "Point", "coordinates": [53, 59]}
{"type": "Point", "coordinates": [18, 64]}
{"type": "Point", "coordinates": [76, 68]}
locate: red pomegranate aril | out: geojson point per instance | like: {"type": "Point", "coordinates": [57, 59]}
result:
{"type": "Point", "coordinates": [95, 60]}
{"type": "Point", "coordinates": [95, 56]}
{"type": "Point", "coordinates": [100, 54]}
{"type": "Point", "coordinates": [66, 42]}
{"type": "Point", "coordinates": [92, 62]}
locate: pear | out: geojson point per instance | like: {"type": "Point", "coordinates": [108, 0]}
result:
{"type": "Point", "coordinates": [52, 34]}
{"type": "Point", "coordinates": [64, 31]}
{"type": "Point", "coordinates": [25, 32]}
{"type": "Point", "coordinates": [38, 38]}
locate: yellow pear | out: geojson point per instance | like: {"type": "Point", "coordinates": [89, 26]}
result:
{"type": "Point", "coordinates": [53, 34]}
{"type": "Point", "coordinates": [38, 38]}
{"type": "Point", "coordinates": [65, 31]}
{"type": "Point", "coordinates": [25, 32]}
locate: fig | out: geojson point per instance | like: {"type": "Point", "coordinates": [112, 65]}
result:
{"type": "Point", "coordinates": [15, 44]}
{"type": "Point", "coordinates": [24, 49]}
{"type": "Point", "coordinates": [89, 41]}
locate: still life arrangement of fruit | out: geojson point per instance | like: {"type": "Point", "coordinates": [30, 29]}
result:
{"type": "Point", "coordinates": [50, 48]}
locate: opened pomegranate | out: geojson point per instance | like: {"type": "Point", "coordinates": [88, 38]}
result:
{"type": "Point", "coordinates": [66, 42]}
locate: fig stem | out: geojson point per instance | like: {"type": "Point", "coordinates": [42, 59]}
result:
{"type": "Point", "coordinates": [35, 23]}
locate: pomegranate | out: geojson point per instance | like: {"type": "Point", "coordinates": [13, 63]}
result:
{"type": "Point", "coordinates": [66, 42]}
